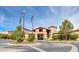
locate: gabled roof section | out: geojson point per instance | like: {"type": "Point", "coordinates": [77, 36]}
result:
{"type": "Point", "coordinates": [8, 30]}
{"type": "Point", "coordinates": [27, 29]}
{"type": "Point", "coordinates": [77, 30]}
{"type": "Point", "coordinates": [52, 26]}
{"type": "Point", "coordinates": [40, 28]}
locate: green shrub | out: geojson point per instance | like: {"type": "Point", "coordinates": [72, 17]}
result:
{"type": "Point", "coordinates": [10, 36]}
{"type": "Point", "coordinates": [19, 39]}
{"type": "Point", "coordinates": [4, 36]}
{"type": "Point", "coordinates": [30, 39]}
{"type": "Point", "coordinates": [69, 37]}
{"type": "Point", "coordinates": [31, 35]}
{"type": "Point", "coordinates": [61, 37]}
{"type": "Point", "coordinates": [73, 37]}
{"type": "Point", "coordinates": [13, 36]}
{"type": "Point", "coordinates": [55, 37]}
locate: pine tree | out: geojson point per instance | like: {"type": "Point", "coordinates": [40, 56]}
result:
{"type": "Point", "coordinates": [65, 29]}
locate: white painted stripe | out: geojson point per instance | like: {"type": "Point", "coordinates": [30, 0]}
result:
{"type": "Point", "coordinates": [74, 49]}
{"type": "Point", "coordinates": [41, 50]}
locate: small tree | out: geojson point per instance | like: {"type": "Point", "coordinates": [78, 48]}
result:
{"type": "Point", "coordinates": [65, 29]}
{"type": "Point", "coordinates": [18, 34]}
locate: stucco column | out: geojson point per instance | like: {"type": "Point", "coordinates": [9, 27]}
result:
{"type": "Point", "coordinates": [45, 35]}
{"type": "Point", "coordinates": [36, 36]}
{"type": "Point", "coordinates": [26, 35]}
{"type": "Point", "coordinates": [51, 35]}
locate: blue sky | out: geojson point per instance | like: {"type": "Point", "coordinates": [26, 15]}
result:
{"type": "Point", "coordinates": [44, 16]}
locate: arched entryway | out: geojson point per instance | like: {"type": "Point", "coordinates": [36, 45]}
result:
{"type": "Point", "coordinates": [40, 36]}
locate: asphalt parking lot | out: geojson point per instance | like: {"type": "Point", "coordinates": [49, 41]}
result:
{"type": "Point", "coordinates": [51, 47]}
{"type": "Point", "coordinates": [41, 47]}
{"type": "Point", "coordinates": [5, 47]}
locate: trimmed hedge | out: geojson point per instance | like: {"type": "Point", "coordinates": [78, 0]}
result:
{"type": "Point", "coordinates": [19, 39]}
{"type": "Point", "coordinates": [62, 37]}
{"type": "Point", "coordinates": [31, 35]}
{"type": "Point", "coordinates": [55, 37]}
{"type": "Point", "coordinates": [4, 36]}
{"type": "Point", "coordinates": [30, 39]}
{"type": "Point", "coordinates": [73, 37]}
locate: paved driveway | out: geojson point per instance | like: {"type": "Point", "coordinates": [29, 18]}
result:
{"type": "Point", "coordinates": [41, 46]}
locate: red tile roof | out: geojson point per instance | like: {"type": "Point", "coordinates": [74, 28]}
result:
{"type": "Point", "coordinates": [27, 29]}
{"type": "Point", "coordinates": [40, 28]}
{"type": "Point", "coordinates": [76, 30]}
{"type": "Point", "coordinates": [52, 26]}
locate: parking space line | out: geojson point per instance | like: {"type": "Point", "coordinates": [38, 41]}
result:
{"type": "Point", "coordinates": [41, 50]}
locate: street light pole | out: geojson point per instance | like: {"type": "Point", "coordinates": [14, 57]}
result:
{"type": "Point", "coordinates": [20, 21]}
{"type": "Point", "coordinates": [32, 23]}
{"type": "Point", "coordinates": [23, 19]}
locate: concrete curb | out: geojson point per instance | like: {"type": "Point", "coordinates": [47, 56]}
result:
{"type": "Point", "coordinates": [23, 44]}
{"type": "Point", "coordinates": [74, 48]}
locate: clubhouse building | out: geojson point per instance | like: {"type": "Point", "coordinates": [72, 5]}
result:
{"type": "Point", "coordinates": [40, 33]}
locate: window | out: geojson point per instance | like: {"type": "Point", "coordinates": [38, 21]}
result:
{"type": "Point", "coordinates": [40, 30]}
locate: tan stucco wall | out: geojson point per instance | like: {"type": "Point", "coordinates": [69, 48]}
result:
{"type": "Point", "coordinates": [6, 32]}
{"type": "Point", "coordinates": [26, 35]}
{"type": "Point", "coordinates": [52, 31]}
{"type": "Point", "coordinates": [44, 32]}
